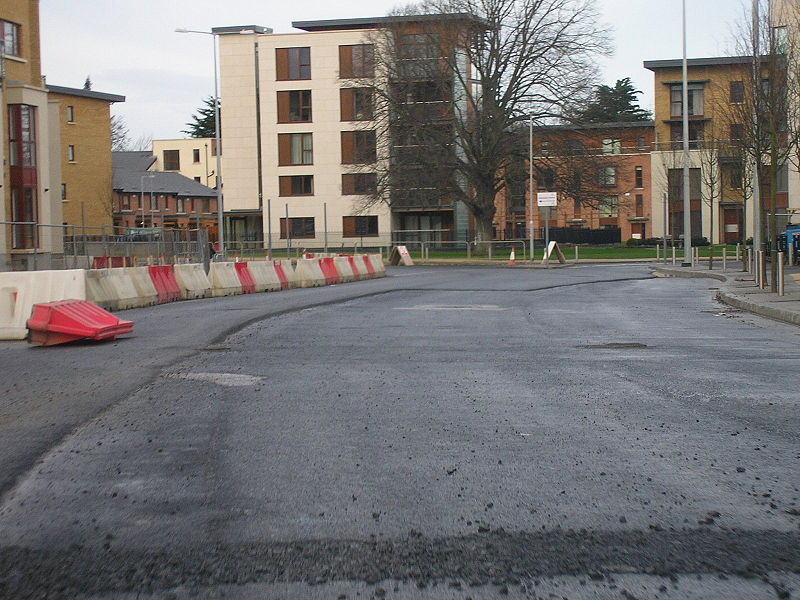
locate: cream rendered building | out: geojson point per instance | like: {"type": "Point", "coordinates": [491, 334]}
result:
{"type": "Point", "coordinates": [291, 160]}
{"type": "Point", "coordinates": [194, 158]}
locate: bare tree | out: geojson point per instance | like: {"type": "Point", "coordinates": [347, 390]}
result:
{"type": "Point", "coordinates": [120, 134]}
{"type": "Point", "coordinates": [454, 84]}
{"type": "Point", "coordinates": [767, 112]}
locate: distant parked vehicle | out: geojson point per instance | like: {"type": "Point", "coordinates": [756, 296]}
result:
{"type": "Point", "coordinates": [789, 241]}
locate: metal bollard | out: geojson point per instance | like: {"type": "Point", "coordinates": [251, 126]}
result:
{"type": "Point", "coordinates": [738, 256]}
{"type": "Point", "coordinates": [724, 259]}
{"type": "Point", "coordinates": [780, 274]}
{"type": "Point", "coordinates": [576, 253]}
{"type": "Point", "coordinates": [658, 252]}
{"type": "Point", "coordinates": [673, 256]}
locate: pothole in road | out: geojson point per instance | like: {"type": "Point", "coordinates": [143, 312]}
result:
{"type": "Point", "coordinates": [223, 379]}
{"type": "Point", "coordinates": [615, 346]}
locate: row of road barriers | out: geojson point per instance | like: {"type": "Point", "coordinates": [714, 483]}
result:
{"type": "Point", "coordinates": [120, 288]}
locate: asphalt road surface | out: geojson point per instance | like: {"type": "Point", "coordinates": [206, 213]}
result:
{"type": "Point", "coordinates": [590, 432]}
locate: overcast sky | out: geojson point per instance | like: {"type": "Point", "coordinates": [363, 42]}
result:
{"type": "Point", "coordinates": [130, 48]}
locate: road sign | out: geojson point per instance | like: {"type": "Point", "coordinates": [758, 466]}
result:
{"type": "Point", "coordinates": [547, 198]}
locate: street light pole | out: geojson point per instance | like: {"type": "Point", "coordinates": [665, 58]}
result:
{"type": "Point", "coordinates": [530, 181]}
{"type": "Point", "coordinates": [220, 212]}
{"type": "Point", "coordinates": [141, 193]}
{"type": "Point", "coordinates": [687, 215]}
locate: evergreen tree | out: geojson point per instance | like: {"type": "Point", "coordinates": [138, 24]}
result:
{"type": "Point", "coordinates": [203, 123]}
{"type": "Point", "coordinates": [614, 104]}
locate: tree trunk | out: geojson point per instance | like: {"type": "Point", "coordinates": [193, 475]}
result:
{"type": "Point", "coordinates": [484, 232]}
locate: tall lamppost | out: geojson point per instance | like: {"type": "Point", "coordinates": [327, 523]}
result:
{"type": "Point", "coordinates": [530, 181]}
{"type": "Point", "coordinates": [687, 215]}
{"type": "Point", "coordinates": [220, 220]}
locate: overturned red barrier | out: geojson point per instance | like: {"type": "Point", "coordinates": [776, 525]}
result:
{"type": "Point", "coordinates": [65, 321]}
{"type": "Point", "coordinates": [104, 262]}
{"type": "Point", "coordinates": [245, 277]}
{"type": "Point", "coordinates": [163, 278]}
{"type": "Point", "coordinates": [330, 271]}
{"type": "Point", "coordinates": [281, 275]}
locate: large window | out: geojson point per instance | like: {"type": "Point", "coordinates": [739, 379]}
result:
{"type": "Point", "coordinates": [294, 106]}
{"type": "Point", "coordinates": [419, 55]}
{"type": "Point", "coordinates": [609, 207]}
{"type": "Point", "coordinates": [356, 61]}
{"type": "Point", "coordinates": [295, 149]}
{"type": "Point", "coordinates": [296, 185]}
{"type": "Point", "coordinates": [358, 147]}
{"type": "Point", "coordinates": [21, 135]}
{"type": "Point", "coordinates": [293, 63]}
{"type": "Point", "coordinates": [611, 146]}
{"type": "Point", "coordinates": [360, 226]}
{"type": "Point", "coordinates": [357, 104]}
{"type": "Point", "coordinates": [737, 91]}
{"type": "Point", "coordinates": [607, 176]}
{"type": "Point", "coordinates": [695, 91]}
{"type": "Point", "coordinates": [358, 184]}
{"type": "Point", "coordinates": [10, 32]}
{"type": "Point", "coordinates": [24, 209]}
{"type": "Point", "coordinates": [299, 227]}
{"type": "Point", "coordinates": [638, 177]}
{"type": "Point", "coordinates": [172, 160]}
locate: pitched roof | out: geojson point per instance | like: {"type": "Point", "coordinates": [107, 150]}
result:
{"type": "Point", "coordinates": [132, 175]}
{"type": "Point", "coordinates": [57, 89]}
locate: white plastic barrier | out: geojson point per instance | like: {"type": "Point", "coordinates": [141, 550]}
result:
{"type": "Point", "coordinates": [145, 288]}
{"type": "Point", "coordinates": [363, 272]}
{"type": "Point", "coordinates": [377, 263]}
{"type": "Point", "coordinates": [343, 267]}
{"type": "Point", "coordinates": [224, 280]}
{"type": "Point", "coordinates": [193, 281]}
{"type": "Point", "coordinates": [309, 273]}
{"type": "Point", "coordinates": [263, 272]}
{"type": "Point", "coordinates": [20, 290]}
{"type": "Point", "coordinates": [125, 292]}
{"type": "Point", "coordinates": [100, 289]}
{"type": "Point", "coordinates": [288, 269]}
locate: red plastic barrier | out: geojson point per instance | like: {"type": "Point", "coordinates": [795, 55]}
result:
{"type": "Point", "coordinates": [330, 271]}
{"type": "Point", "coordinates": [64, 321]}
{"type": "Point", "coordinates": [163, 278]}
{"type": "Point", "coordinates": [353, 266]}
{"type": "Point", "coordinates": [104, 262]}
{"type": "Point", "coordinates": [370, 268]}
{"type": "Point", "coordinates": [281, 275]}
{"type": "Point", "coordinates": [246, 277]}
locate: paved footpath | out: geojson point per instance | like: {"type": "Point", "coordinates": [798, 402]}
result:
{"type": "Point", "coordinates": [738, 289]}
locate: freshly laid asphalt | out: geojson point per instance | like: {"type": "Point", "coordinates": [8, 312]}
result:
{"type": "Point", "coordinates": [588, 432]}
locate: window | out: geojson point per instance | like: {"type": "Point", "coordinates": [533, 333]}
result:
{"type": "Point", "coordinates": [639, 177]}
{"type": "Point", "coordinates": [695, 100]}
{"type": "Point", "coordinates": [545, 147]}
{"type": "Point", "coordinates": [70, 114]}
{"type": "Point", "coordinates": [172, 160]}
{"type": "Point", "coordinates": [299, 227]}
{"type": "Point", "coordinates": [153, 202]}
{"type": "Point", "coordinates": [71, 153]}
{"type": "Point", "coordinates": [195, 155]}
{"type": "Point", "coordinates": [293, 63]}
{"type": "Point", "coordinates": [206, 205]}
{"type": "Point", "coordinates": [24, 208]}
{"type": "Point", "coordinates": [356, 104]}
{"type": "Point", "coordinates": [737, 91]}
{"type": "Point", "coordinates": [737, 131]}
{"type": "Point", "coordinates": [10, 37]}
{"type": "Point", "coordinates": [735, 176]}
{"type": "Point", "coordinates": [642, 144]}
{"type": "Point", "coordinates": [179, 205]}
{"type": "Point", "coordinates": [63, 191]}
{"type": "Point", "coordinates": [22, 135]}
{"type": "Point", "coordinates": [294, 106]}
{"type": "Point", "coordinates": [197, 179]}
{"type": "Point", "coordinates": [358, 147]}
{"type": "Point", "coordinates": [296, 185]}
{"type": "Point", "coordinates": [639, 205]}
{"type": "Point", "coordinates": [359, 184]}
{"type": "Point", "coordinates": [612, 146]}
{"type": "Point", "coordinates": [609, 207]}
{"type": "Point", "coordinates": [607, 176]}
{"type": "Point", "coordinates": [366, 226]}
{"type": "Point", "coordinates": [695, 133]}
{"type": "Point", "coordinates": [547, 180]}
{"type": "Point", "coordinates": [419, 54]}
{"type": "Point", "coordinates": [356, 61]}
{"type": "Point", "coordinates": [295, 149]}
{"type": "Point", "coordinates": [126, 202]}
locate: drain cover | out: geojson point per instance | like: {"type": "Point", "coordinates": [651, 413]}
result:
{"type": "Point", "coordinates": [615, 346]}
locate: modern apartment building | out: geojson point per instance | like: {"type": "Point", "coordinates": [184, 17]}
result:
{"type": "Point", "coordinates": [305, 147]}
{"type": "Point", "coordinates": [85, 155]}
{"type": "Point", "coordinates": [601, 173]}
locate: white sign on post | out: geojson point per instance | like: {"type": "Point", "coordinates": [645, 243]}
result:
{"type": "Point", "coordinates": [547, 198]}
